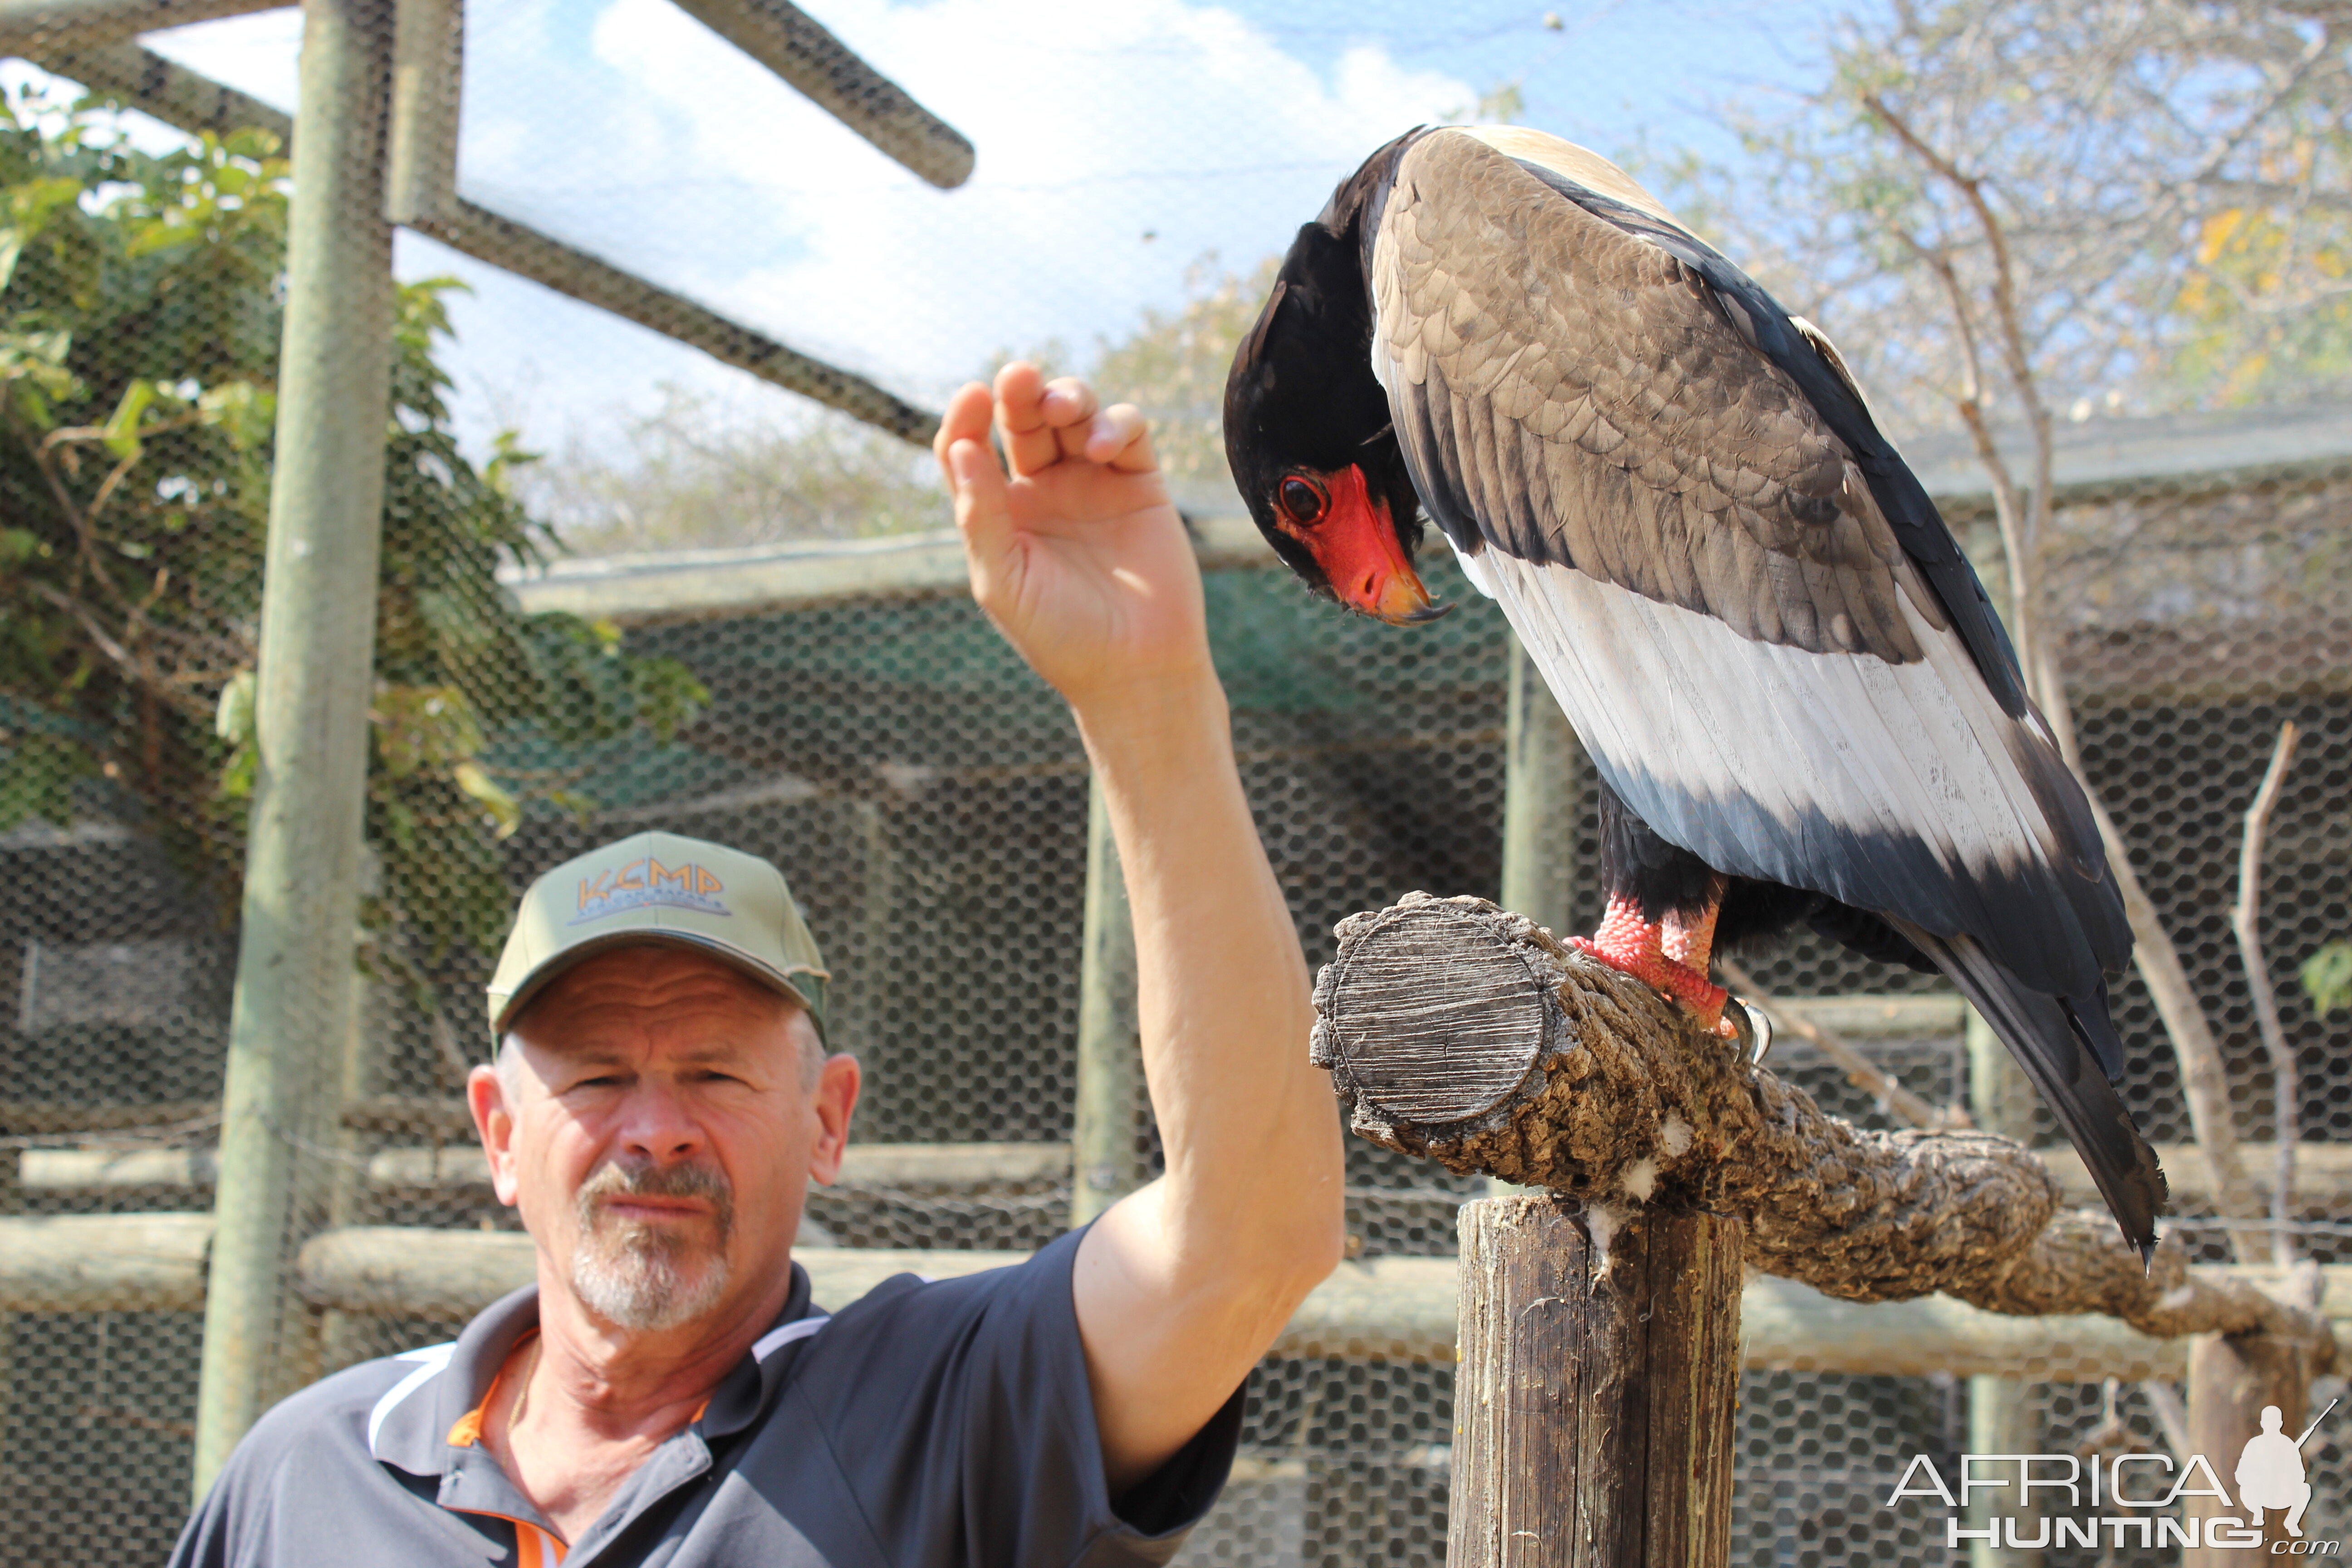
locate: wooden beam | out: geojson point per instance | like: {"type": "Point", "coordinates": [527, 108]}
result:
{"type": "Point", "coordinates": [459, 1164]}
{"type": "Point", "coordinates": [28, 29]}
{"type": "Point", "coordinates": [694, 584]}
{"type": "Point", "coordinates": [1380, 1308]}
{"type": "Point", "coordinates": [172, 93]}
{"type": "Point", "coordinates": [1788, 1326]}
{"type": "Point", "coordinates": [793, 44]}
{"type": "Point", "coordinates": [66, 1119]}
{"type": "Point", "coordinates": [2323, 1171]}
{"type": "Point", "coordinates": [486, 236]}
{"type": "Point", "coordinates": [421, 160]}
{"type": "Point", "coordinates": [104, 1263]}
{"type": "Point", "coordinates": [1936, 1015]}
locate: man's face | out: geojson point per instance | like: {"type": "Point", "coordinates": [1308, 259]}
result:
{"type": "Point", "coordinates": [652, 1119]}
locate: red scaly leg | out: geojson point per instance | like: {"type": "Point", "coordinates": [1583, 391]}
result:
{"type": "Point", "coordinates": [1670, 955]}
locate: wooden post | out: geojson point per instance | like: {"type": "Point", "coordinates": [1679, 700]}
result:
{"type": "Point", "coordinates": [2000, 1412]}
{"type": "Point", "coordinates": [1104, 1164]}
{"type": "Point", "coordinates": [296, 979]}
{"type": "Point", "coordinates": [2230, 1378]}
{"type": "Point", "coordinates": [1598, 1378]}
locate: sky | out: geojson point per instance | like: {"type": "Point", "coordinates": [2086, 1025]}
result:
{"type": "Point", "coordinates": [1118, 145]}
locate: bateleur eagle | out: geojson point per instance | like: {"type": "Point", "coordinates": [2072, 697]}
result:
{"type": "Point", "coordinates": [1799, 703]}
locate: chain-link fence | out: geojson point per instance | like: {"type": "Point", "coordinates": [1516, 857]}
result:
{"type": "Point", "coordinates": [929, 798]}
{"type": "Point", "coordinates": [846, 712]}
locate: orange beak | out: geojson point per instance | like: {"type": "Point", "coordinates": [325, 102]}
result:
{"type": "Point", "coordinates": [1356, 545]}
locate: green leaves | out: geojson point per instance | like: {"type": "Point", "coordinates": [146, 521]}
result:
{"type": "Point", "coordinates": [28, 207]}
{"type": "Point", "coordinates": [423, 727]}
{"type": "Point", "coordinates": [244, 413]}
{"type": "Point", "coordinates": [138, 372]}
{"type": "Point", "coordinates": [504, 809]}
{"type": "Point", "coordinates": [121, 433]}
{"type": "Point", "coordinates": [2327, 978]}
{"type": "Point", "coordinates": [233, 722]}
{"type": "Point", "coordinates": [32, 375]}
{"type": "Point", "coordinates": [221, 190]}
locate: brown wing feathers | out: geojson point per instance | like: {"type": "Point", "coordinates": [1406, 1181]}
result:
{"type": "Point", "coordinates": [1580, 342]}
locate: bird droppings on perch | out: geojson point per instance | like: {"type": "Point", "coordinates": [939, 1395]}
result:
{"type": "Point", "coordinates": [1459, 1032]}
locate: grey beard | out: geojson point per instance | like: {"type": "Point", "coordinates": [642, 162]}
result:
{"type": "Point", "coordinates": [649, 1277]}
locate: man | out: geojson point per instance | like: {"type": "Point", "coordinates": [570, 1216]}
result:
{"type": "Point", "coordinates": [666, 1393]}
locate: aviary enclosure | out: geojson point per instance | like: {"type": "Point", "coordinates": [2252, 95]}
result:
{"type": "Point", "coordinates": [844, 709]}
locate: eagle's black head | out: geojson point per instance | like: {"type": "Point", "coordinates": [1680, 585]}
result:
{"type": "Point", "coordinates": [1306, 423]}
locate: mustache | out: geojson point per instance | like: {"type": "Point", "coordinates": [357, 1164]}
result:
{"type": "Point", "coordinates": [643, 1179]}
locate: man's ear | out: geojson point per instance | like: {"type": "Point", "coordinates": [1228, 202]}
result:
{"type": "Point", "coordinates": [494, 1122]}
{"type": "Point", "coordinates": [834, 1099]}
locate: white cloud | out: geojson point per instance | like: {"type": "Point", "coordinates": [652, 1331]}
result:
{"type": "Point", "coordinates": [627, 128]}
{"type": "Point", "coordinates": [258, 53]}
{"type": "Point", "coordinates": [1093, 125]}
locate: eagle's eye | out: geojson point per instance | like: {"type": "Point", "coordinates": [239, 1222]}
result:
{"type": "Point", "coordinates": [1304, 499]}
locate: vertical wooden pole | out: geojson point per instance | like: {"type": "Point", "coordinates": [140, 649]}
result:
{"type": "Point", "coordinates": [1543, 791]}
{"type": "Point", "coordinates": [1598, 1379]}
{"type": "Point", "coordinates": [1105, 1164]}
{"type": "Point", "coordinates": [296, 982]}
{"type": "Point", "coordinates": [1543, 794]}
{"type": "Point", "coordinates": [2000, 1412]}
{"type": "Point", "coordinates": [2229, 1381]}
{"type": "Point", "coordinates": [327, 1341]}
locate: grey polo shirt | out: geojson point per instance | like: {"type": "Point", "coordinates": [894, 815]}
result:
{"type": "Point", "coordinates": [943, 1424]}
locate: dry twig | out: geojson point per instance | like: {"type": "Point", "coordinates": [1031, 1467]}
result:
{"type": "Point", "coordinates": [2245, 918]}
{"type": "Point", "coordinates": [1860, 1070]}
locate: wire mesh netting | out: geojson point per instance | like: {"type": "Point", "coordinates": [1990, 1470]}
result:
{"type": "Point", "coordinates": [864, 727]}
{"type": "Point", "coordinates": [926, 794]}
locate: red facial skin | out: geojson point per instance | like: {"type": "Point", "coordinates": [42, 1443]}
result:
{"type": "Point", "coordinates": [1355, 542]}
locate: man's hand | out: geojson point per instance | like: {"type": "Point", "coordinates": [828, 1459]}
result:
{"type": "Point", "coordinates": [1078, 558]}
{"type": "Point", "coordinates": [1181, 1286]}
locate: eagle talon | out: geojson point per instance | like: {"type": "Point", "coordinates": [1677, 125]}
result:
{"type": "Point", "coordinates": [1750, 1025]}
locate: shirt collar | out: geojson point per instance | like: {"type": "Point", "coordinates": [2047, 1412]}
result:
{"type": "Point", "coordinates": [411, 1423]}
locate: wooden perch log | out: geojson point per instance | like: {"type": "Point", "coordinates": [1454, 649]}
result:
{"type": "Point", "coordinates": [1457, 1031]}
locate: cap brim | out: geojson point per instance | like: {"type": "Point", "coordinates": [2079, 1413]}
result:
{"type": "Point", "coordinates": [562, 963]}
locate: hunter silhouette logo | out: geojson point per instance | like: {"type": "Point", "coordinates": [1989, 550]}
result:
{"type": "Point", "coordinates": [2270, 1472]}
{"type": "Point", "coordinates": [646, 882]}
{"type": "Point", "coordinates": [2270, 1477]}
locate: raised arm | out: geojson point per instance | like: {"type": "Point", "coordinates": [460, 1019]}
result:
{"type": "Point", "coordinates": [1083, 564]}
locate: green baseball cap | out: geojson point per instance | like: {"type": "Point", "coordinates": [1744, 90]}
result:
{"type": "Point", "coordinates": [660, 890]}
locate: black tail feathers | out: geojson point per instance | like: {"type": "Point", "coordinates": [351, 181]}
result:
{"type": "Point", "coordinates": [2068, 1049]}
{"type": "Point", "coordinates": [2096, 1028]}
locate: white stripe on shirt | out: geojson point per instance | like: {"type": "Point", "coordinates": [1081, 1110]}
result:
{"type": "Point", "coordinates": [430, 1360]}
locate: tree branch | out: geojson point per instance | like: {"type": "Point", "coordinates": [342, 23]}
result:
{"type": "Point", "coordinates": [1466, 1035]}
{"type": "Point", "coordinates": [2285, 1078]}
{"type": "Point", "coordinates": [2204, 1081]}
